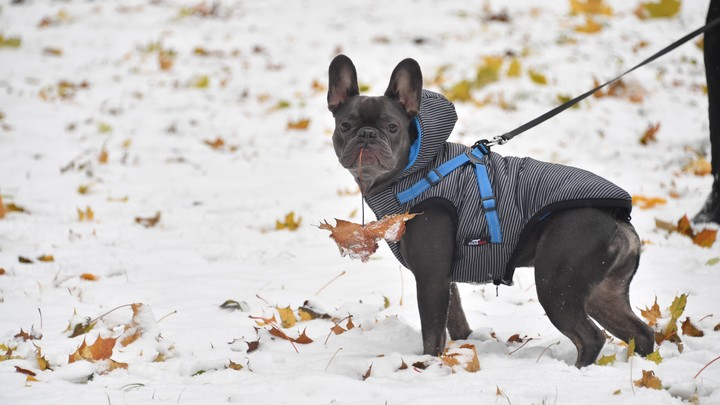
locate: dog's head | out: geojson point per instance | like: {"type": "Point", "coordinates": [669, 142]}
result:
{"type": "Point", "coordinates": [378, 127]}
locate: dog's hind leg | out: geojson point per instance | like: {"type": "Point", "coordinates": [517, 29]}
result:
{"type": "Point", "coordinates": [457, 324]}
{"type": "Point", "coordinates": [609, 303]}
{"type": "Point", "coordinates": [566, 268]}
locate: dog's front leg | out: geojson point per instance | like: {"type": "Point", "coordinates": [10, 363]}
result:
{"type": "Point", "coordinates": [428, 248]}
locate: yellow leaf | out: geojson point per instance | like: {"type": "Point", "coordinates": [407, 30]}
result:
{"type": "Point", "coordinates": [515, 69]}
{"type": "Point", "coordinates": [287, 317]}
{"type": "Point", "coordinates": [88, 277]}
{"type": "Point", "coordinates": [235, 366]}
{"type": "Point", "coordinates": [537, 77]}
{"type": "Point", "coordinates": [606, 360]}
{"type": "Point", "coordinates": [200, 82]}
{"type": "Point", "coordinates": [104, 127]}
{"type": "Point", "coordinates": [43, 364]}
{"type": "Point", "coordinates": [647, 202]}
{"type": "Point", "coordinates": [46, 258]}
{"type": "Point", "coordinates": [386, 302]}
{"type": "Point", "coordinates": [301, 124]}
{"type": "Point", "coordinates": [699, 167]}
{"type": "Point", "coordinates": [590, 7]}
{"type": "Point", "coordinates": [659, 9]}
{"type": "Point", "coordinates": [489, 71]}
{"type": "Point", "coordinates": [655, 357]}
{"type": "Point", "coordinates": [87, 215]}
{"type": "Point", "coordinates": [631, 348]}
{"type": "Point", "coordinates": [290, 223]}
{"type": "Point", "coordinates": [10, 42]}
{"type": "Point", "coordinates": [84, 188]}
{"type": "Point", "coordinates": [590, 27]}
{"type": "Point", "coordinates": [678, 307]}
{"type": "Point", "coordinates": [459, 91]}
{"type": "Point", "coordinates": [649, 380]}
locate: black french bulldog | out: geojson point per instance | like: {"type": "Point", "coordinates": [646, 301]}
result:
{"type": "Point", "coordinates": [476, 225]}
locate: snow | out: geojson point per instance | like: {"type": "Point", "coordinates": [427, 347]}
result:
{"type": "Point", "coordinates": [216, 239]}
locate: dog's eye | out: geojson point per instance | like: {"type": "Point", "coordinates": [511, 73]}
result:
{"type": "Point", "coordinates": [392, 128]}
{"type": "Point", "coordinates": [345, 126]}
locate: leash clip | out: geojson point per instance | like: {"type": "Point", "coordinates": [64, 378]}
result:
{"type": "Point", "coordinates": [497, 140]}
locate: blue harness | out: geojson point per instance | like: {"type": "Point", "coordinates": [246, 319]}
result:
{"type": "Point", "coordinates": [475, 156]}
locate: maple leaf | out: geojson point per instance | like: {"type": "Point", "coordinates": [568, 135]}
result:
{"type": "Point", "coordinates": [648, 380]}
{"type": "Point", "coordinates": [80, 328]}
{"type": "Point", "coordinates": [678, 307]}
{"type": "Point", "coordinates": [87, 215]}
{"type": "Point", "coordinates": [358, 241]}
{"type": "Point", "coordinates": [43, 364]}
{"type": "Point", "coordinates": [489, 71]}
{"type": "Point", "coordinates": [260, 321]}
{"type": "Point", "coordinates": [307, 313]}
{"type": "Point", "coordinates": [651, 314]}
{"type": "Point", "coordinates": [590, 7]}
{"type": "Point", "coordinates": [649, 134]}
{"type": "Point", "coordinates": [691, 330]}
{"type": "Point", "coordinates": [289, 223]}
{"type": "Point", "coordinates": [101, 349]}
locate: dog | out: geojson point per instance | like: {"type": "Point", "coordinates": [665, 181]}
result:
{"type": "Point", "coordinates": [484, 214]}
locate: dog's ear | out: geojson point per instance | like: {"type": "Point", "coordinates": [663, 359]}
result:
{"type": "Point", "coordinates": [406, 86]}
{"type": "Point", "coordinates": [342, 82]}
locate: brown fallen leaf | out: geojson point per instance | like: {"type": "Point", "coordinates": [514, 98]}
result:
{"type": "Point", "coordinates": [27, 336]}
{"type": "Point", "coordinates": [134, 329]}
{"type": "Point", "coordinates": [148, 222]}
{"type": "Point", "coordinates": [88, 277]}
{"type": "Point", "coordinates": [43, 364]}
{"type": "Point", "coordinates": [358, 241]}
{"type": "Point", "coordinates": [464, 356]}
{"type": "Point", "coordinates": [46, 258]}
{"type": "Point", "coordinates": [235, 366]}
{"type": "Point", "coordinates": [691, 330]}
{"type": "Point", "coordinates": [216, 144]}
{"type": "Point", "coordinates": [705, 238]}
{"type": "Point", "coordinates": [252, 346]}
{"type": "Point", "coordinates": [3, 211]}
{"type": "Point", "coordinates": [25, 371]}
{"type": "Point", "coordinates": [24, 260]}
{"type": "Point", "coordinates": [649, 380]}
{"type": "Point", "coordinates": [367, 373]}
{"type": "Point", "coordinates": [515, 339]}
{"type": "Point", "coordinates": [649, 134]}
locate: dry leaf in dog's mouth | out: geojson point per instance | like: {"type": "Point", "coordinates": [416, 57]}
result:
{"type": "Point", "coordinates": [360, 242]}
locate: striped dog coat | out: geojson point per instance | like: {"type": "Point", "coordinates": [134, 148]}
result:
{"type": "Point", "coordinates": [497, 200]}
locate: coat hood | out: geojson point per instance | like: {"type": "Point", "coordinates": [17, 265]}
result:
{"type": "Point", "coordinates": [435, 123]}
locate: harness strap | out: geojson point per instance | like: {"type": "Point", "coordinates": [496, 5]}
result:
{"type": "Point", "coordinates": [487, 198]}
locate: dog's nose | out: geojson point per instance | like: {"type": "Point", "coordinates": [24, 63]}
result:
{"type": "Point", "coordinates": [367, 134]}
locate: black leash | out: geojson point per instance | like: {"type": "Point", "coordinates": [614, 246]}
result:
{"type": "Point", "coordinates": [504, 138]}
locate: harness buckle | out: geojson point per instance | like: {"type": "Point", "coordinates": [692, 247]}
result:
{"type": "Point", "coordinates": [488, 203]}
{"type": "Point", "coordinates": [437, 173]}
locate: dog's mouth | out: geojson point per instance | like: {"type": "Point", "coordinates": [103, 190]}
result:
{"type": "Point", "coordinates": [370, 157]}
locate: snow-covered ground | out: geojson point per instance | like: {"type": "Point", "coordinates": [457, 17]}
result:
{"type": "Point", "coordinates": [208, 143]}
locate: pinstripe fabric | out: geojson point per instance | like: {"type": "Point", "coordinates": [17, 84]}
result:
{"type": "Point", "coordinates": [525, 189]}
